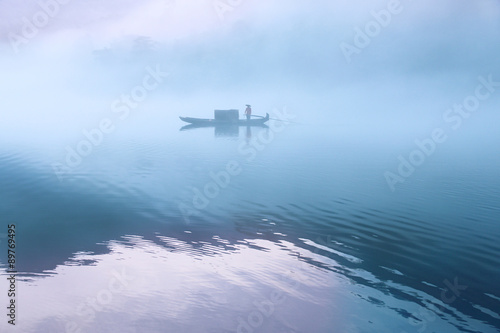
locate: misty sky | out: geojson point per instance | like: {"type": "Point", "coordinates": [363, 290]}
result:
{"type": "Point", "coordinates": [89, 52]}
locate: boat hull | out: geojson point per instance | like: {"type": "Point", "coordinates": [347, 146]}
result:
{"type": "Point", "coordinates": [213, 122]}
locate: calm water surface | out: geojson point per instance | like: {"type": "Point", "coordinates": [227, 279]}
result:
{"type": "Point", "coordinates": [304, 236]}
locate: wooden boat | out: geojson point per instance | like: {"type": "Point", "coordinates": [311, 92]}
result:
{"type": "Point", "coordinates": [226, 118]}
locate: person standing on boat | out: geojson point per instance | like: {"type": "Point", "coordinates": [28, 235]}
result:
{"type": "Point", "coordinates": [248, 111]}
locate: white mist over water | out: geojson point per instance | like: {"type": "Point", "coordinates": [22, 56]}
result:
{"type": "Point", "coordinates": [322, 175]}
{"type": "Point", "coordinates": [270, 55]}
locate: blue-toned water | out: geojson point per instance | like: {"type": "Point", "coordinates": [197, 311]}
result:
{"type": "Point", "coordinates": [290, 228]}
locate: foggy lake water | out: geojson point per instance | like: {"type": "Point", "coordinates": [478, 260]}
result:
{"type": "Point", "coordinates": [303, 235]}
{"type": "Point", "coordinates": [369, 202]}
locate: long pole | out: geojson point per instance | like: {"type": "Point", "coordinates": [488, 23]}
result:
{"type": "Point", "coordinates": [276, 119]}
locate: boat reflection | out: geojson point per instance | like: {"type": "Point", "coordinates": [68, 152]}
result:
{"type": "Point", "coordinates": [231, 130]}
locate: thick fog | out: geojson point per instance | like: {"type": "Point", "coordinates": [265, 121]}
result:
{"type": "Point", "coordinates": [384, 70]}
